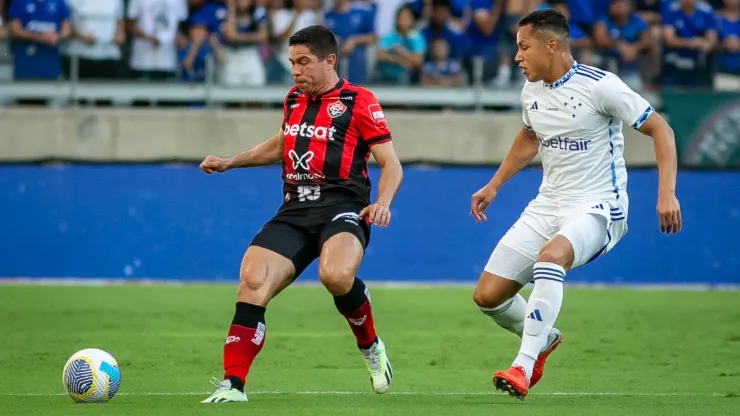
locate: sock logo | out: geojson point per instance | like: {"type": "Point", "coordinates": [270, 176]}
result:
{"type": "Point", "coordinates": [535, 315]}
{"type": "Point", "coordinates": [357, 321]}
{"type": "Point", "coordinates": [259, 334]}
{"type": "Point", "coordinates": [232, 338]}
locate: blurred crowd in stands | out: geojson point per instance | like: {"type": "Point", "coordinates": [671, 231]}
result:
{"type": "Point", "coordinates": [649, 43]}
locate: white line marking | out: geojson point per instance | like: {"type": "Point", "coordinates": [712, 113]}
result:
{"type": "Point", "coordinates": [399, 284]}
{"type": "Point", "coordinates": [399, 393]}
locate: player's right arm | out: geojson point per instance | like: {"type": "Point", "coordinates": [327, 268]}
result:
{"type": "Point", "coordinates": [265, 153]}
{"type": "Point", "coordinates": [520, 155]}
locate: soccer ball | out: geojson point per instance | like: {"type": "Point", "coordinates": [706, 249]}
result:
{"type": "Point", "coordinates": [91, 376]}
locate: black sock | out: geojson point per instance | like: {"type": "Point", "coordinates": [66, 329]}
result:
{"type": "Point", "coordinates": [353, 299]}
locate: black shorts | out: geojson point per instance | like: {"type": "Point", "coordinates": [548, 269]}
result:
{"type": "Point", "coordinates": [298, 233]}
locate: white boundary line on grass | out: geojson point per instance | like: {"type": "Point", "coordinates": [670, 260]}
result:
{"type": "Point", "coordinates": [391, 284]}
{"type": "Point", "coordinates": [397, 393]}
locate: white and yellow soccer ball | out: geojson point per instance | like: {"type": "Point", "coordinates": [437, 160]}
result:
{"type": "Point", "coordinates": [91, 376]}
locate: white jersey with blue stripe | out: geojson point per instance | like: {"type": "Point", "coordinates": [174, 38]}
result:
{"type": "Point", "coordinates": [578, 121]}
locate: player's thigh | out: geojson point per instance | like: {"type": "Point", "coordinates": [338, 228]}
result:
{"type": "Point", "coordinates": [510, 265]}
{"type": "Point", "coordinates": [343, 242]}
{"type": "Point", "coordinates": [587, 236]}
{"type": "Point", "coordinates": [277, 255]}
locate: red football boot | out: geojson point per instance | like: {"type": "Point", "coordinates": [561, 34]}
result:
{"type": "Point", "coordinates": [539, 365]}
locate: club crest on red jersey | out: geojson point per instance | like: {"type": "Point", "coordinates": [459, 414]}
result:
{"type": "Point", "coordinates": [336, 109]}
{"type": "Point", "coordinates": [376, 113]}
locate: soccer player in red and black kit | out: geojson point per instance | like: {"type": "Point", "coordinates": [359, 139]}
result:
{"type": "Point", "coordinates": [329, 130]}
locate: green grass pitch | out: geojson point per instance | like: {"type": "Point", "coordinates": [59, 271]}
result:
{"type": "Point", "coordinates": [625, 352]}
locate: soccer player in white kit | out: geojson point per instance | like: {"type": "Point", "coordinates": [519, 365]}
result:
{"type": "Point", "coordinates": [573, 117]}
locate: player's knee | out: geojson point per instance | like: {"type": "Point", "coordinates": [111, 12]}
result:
{"type": "Point", "coordinates": [337, 278]}
{"type": "Point", "coordinates": [251, 280]}
{"type": "Point", "coordinates": [489, 297]}
{"type": "Point", "coordinates": [561, 255]}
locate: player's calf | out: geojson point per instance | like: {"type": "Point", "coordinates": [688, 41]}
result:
{"type": "Point", "coordinates": [498, 298]}
{"type": "Point", "coordinates": [340, 256]}
{"type": "Point", "coordinates": [263, 274]}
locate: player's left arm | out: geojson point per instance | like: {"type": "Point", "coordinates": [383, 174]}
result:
{"type": "Point", "coordinates": [664, 142]}
{"type": "Point", "coordinates": [619, 101]}
{"type": "Point", "coordinates": [371, 123]}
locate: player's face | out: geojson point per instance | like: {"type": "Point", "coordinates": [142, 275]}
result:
{"type": "Point", "coordinates": [308, 71]}
{"type": "Point", "coordinates": [533, 55]}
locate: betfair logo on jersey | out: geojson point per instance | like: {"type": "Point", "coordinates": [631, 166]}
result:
{"type": "Point", "coordinates": [566, 143]}
{"type": "Point", "coordinates": [309, 131]}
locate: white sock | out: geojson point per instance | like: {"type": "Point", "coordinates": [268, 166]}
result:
{"type": "Point", "coordinates": [509, 315]}
{"type": "Point", "coordinates": [542, 312]}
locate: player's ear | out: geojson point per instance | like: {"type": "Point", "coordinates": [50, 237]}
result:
{"type": "Point", "coordinates": [552, 46]}
{"type": "Point", "coordinates": [331, 61]}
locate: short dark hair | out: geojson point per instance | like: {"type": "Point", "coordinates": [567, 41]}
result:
{"type": "Point", "coordinates": [547, 20]}
{"type": "Point", "coordinates": [319, 39]}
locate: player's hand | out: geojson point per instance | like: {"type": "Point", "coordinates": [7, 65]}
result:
{"type": "Point", "coordinates": [377, 214]}
{"type": "Point", "coordinates": [213, 164]}
{"type": "Point", "coordinates": [669, 213]}
{"type": "Point", "coordinates": [480, 201]}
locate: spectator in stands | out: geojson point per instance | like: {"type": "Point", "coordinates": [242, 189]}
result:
{"type": "Point", "coordinates": [98, 31]}
{"type": "Point", "coordinates": [37, 29]}
{"type": "Point", "coordinates": [243, 33]}
{"type": "Point", "coordinates": [440, 70]}
{"type": "Point", "coordinates": [650, 12]}
{"type": "Point", "coordinates": [200, 40]}
{"type": "Point", "coordinates": [153, 25]}
{"type": "Point", "coordinates": [385, 15]}
{"type": "Point", "coordinates": [353, 23]}
{"type": "Point", "coordinates": [483, 33]}
{"type": "Point", "coordinates": [728, 76]}
{"type": "Point", "coordinates": [513, 12]}
{"type": "Point", "coordinates": [440, 24]}
{"type": "Point", "coordinates": [294, 16]}
{"type": "Point", "coordinates": [457, 10]}
{"type": "Point", "coordinates": [585, 13]}
{"type": "Point", "coordinates": [400, 53]}
{"type": "Point", "coordinates": [3, 32]}
{"type": "Point", "coordinates": [581, 45]}
{"type": "Point", "coordinates": [690, 33]}
{"type": "Point", "coordinates": [625, 37]}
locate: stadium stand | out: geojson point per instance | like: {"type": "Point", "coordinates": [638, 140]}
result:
{"type": "Point", "coordinates": [452, 53]}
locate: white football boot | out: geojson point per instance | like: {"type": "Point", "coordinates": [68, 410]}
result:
{"type": "Point", "coordinates": [225, 393]}
{"type": "Point", "coordinates": [381, 373]}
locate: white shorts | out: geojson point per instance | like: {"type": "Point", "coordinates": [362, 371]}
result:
{"type": "Point", "coordinates": [592, 228]}
{"type": "Point", "coordinates": [243, 66]}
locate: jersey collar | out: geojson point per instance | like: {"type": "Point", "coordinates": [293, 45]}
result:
{"type": "Point", "coordinates": [568, 75]}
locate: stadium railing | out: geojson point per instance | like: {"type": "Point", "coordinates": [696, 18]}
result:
{"type": "Point", "coordinates": [476, 97]}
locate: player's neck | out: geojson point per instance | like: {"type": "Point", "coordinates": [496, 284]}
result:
{"type": "Point", "coordinates": [687, 8]}
{"type": "Point", "coordinates": [559, 68]}
{"type": "Point", "coordinates": [330, 83]}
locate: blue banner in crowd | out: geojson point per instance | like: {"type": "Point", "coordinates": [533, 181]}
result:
{"type": "Point", "coordinates": [173, 222]}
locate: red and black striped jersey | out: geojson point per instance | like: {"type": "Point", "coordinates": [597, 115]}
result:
{"type": "Point", "coordinates": [328, 139]}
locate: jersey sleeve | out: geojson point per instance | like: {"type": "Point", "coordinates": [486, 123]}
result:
{"type": "Point", "coordinates": [525, 116]}
{"type": "Point", "coordinates": [615, 99]}
{"type": "Point", "coordinates": [370, 119]}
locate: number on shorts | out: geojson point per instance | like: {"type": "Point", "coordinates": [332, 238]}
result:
{"type": "Point", "coordinates": [309, 193]}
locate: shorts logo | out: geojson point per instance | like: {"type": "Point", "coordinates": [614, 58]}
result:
{"type": "Point", "coordinates": [336, 109]}
{"type": "Point", "coordinates": [349, 217]}
{"type": "Point", "coordinates": [300, 161]}
{"type": "Point", "coordinates": [232, 338]}
{"type": "Point", "coordinates": [376, 113]}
